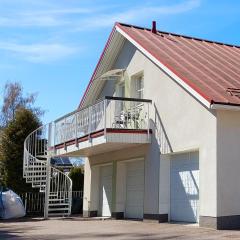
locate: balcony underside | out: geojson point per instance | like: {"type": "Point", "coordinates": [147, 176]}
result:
{"type": "Point", "coordinates": [103, 141]}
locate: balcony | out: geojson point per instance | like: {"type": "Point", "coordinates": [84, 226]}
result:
{"type": "Point", "coordinates": [110, 124]}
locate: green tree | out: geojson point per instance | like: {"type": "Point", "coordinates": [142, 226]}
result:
{"type": "Point", "coordinates": [77, 176]}
{"type": "Point", "coordinates": [11, 149]}
{"type": "Point", "coordinates": [13, 99]}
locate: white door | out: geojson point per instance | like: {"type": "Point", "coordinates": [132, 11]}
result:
{"type": "Point", "coordinates": [135, 190]}
{"type": "Point", "coordinates": [185, 187]}
{"type": "Point", "coordinates": [106, 191]}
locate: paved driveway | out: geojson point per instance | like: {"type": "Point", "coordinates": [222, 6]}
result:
{"type": "Point", "coordinates": [64, 229]}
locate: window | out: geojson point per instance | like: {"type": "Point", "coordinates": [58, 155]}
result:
{"type": "Point", "coordinates": [138, 87]}
{"type": "Point", "coordinates": [120, 93]}
{"type": "Point", "coordinates": [121, 90]}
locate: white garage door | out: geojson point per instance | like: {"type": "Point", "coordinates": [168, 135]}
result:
{"type": "Point", "coordinates": [105, 191]}
{"type": "Point", "coordinates": [135, 189]}
{"type": "Point", "coordinates": [185, 187]}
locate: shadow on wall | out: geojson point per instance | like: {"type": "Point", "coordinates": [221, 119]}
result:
{"type": "Point", "coordinates": [159, 133]}
{"type": "Point", "coordinates": [184, 191]}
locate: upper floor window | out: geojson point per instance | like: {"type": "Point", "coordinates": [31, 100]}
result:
{"type": "Point", "coordinates": [138, 86]}
{"type": "Point", "coordinates": [121, 90]}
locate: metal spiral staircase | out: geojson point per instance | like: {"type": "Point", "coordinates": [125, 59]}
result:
{"type": "Point", "coordinates": [38, 171]}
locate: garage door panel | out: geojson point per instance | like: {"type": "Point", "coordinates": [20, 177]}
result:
{"type": "Point", "coordinates": [185, 183]}
{"type": "Point", "coordinates": [185, 187]}
{"type": "Point", "coordinates": [134, 197]}
{"type": "Point", "coordinates": [135, 189]}
{"type": "Point", "coordinates": [135, 165]}
{"type": "Point", "coordinates": [135, 211]}
{"type": "Point", "coordinates": [185, 163]}
{"type": "Point", "coordinates": [177, 215]}
{"type": "Point", "coordinates": [135, 180]}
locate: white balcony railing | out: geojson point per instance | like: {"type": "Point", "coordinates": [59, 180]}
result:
{"type": "Point", "coordinates": [109, 113]}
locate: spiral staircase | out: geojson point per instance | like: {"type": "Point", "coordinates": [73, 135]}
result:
{"type": "Point", "coordinates": [37, 170]}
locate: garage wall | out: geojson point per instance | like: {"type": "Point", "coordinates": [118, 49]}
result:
{"type": "Point", "coordinates": [164, 184]}
{"type": "Point", "coordinates": [120, 157]}
{"type": "Point", "coordinates": [151, 193]}
{"type": "Point", "coordinates": [228, 151]}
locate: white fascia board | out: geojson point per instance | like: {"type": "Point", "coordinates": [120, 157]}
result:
{"type": "Point", "coordinates": [225, 107]}
{"type": "Point", "coordinates": [166, 70]}
{"type": "Point", "coordinates": [102, 65]}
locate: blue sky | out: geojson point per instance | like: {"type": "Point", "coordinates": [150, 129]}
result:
{"type": "Point", "coordinates": [52, 46]}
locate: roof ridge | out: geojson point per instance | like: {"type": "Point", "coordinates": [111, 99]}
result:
{"type": "Point", "coordinates": [180, 35]}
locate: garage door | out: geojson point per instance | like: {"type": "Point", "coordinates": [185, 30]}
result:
{"type": "Point", "coordinates": [185, 187]}
{"type": "Point", "coordinates": [135, 189]}
{"type": "Point", "coordinates": [105, 191]}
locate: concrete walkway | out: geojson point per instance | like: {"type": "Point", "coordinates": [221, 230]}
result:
{"type": "Point", "coordinates": [76, 228]}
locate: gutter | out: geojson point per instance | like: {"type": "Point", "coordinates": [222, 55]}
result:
{"type": "Point", "coordinates": [228, 107]}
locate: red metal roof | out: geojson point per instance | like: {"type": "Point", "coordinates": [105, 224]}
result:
{"type": "Point", "coordinates": [210, 68]}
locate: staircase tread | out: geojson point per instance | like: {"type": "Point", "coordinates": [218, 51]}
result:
{"type": "Point", "coordinates": [59, 214]}
{"type": "Point", "coordinates": [58, 209]}
{"type": "Point", "coordinates": [58, 204]}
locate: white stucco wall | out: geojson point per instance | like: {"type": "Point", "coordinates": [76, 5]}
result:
{"type": "Point", "coordinates": [87, 188]}
{"type": "Point", "coordinates": [187, 125]}
{"type": "Point", "coordinates": [180, 123]}
{"type": "Point", "coordinates": [164, 184]}
{"type": "Point", "coordinates": [121, 186]}
{"type": "Point", "coordinates": [228, 154]}
{"type": "Point", "coordinates": [95, 179]}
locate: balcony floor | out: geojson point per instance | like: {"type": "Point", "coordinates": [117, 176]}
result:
{"type": "Point", "coordinates": [100, 142]}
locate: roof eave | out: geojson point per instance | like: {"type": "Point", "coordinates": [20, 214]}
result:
{"type": "Point", "coordinates": [97, 66]}
{"type": "Point", "coordinates": [225, 106]}
{"type": "Point", "coordinates": [185, 83]}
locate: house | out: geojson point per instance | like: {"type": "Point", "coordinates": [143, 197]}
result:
{"type": "Point", "coordinates": [159, 127]}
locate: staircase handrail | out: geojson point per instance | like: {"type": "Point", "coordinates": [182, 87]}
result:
{"type": "Point", "coordinates": [36, 148]}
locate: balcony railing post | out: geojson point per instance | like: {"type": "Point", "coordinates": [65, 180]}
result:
{"type": "Point", "coordinates": [89, 120]}
{"type": "Point", "coordinates": [76, 129]}
{"type": "Point", "coordinates": [105, 116]}
{"type": "Point", "coordinates": [65, 133]}
{"type": "Point", "coordinates": [148, 122]}
{"type": "Point", "coordinates": [54, 135]}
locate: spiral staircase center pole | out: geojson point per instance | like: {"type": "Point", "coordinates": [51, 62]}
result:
{"type": "Point", "coordinates": [47, 188]}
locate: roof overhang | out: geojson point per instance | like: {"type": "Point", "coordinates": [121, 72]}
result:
{"type": "Point", "coordinates": [113, 46]}
{"type": "Point", "coordinates": [220, 106]}
{"type": "Point", "coordinates": [109, 54]}
{"type": "Point", "coordinates": [104, 65]}
{"type": "Point", "coordinates": [112, 75]}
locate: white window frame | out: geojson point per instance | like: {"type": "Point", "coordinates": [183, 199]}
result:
{"type": "Point", "coordinates": [120, 92]}
{"type": "Point", "coordinates": [137, 86]}
{"type": "Point", "coordinates": [121, 89]}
